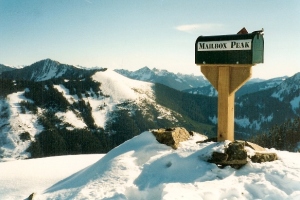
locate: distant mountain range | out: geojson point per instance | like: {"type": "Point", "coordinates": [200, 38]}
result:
{"type": "Point", "coordinates": [195, 84]}
{"type": "Point", "coordinates": [45, 70]}
{"type": "Point", "coordinates": [4, 68]}
{"type": "Point", "coordinates": [177, 81]}
{"type": "Point", "coordinates": [49, 108]}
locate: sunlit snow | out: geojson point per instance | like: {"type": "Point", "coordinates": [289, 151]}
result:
{"type": "Point", "coordinates": [141, 168]}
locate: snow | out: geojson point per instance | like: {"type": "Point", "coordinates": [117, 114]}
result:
{"type": "Point", "coordinates": [255, 124]}
{"type": "Point", "coordinates": [213, 119]}
{"type": "Point", "coordinates": [277, 95]}
{"type": "Point", "coordinates": [178, 80]}
{"type": "Point", "coordinates": [61, 88]}
{"type": "Point", "coordinates": [141, 168]}
{"type": "Point", "coordinates": [71, 118]}
{"type": "Point", "coordinates": [295, 103]}
{"type": "Point", "coordinates": [15, 123]}
{"type": "Point", "coordinates": [243, 122]}
{"type": "Point", "coordinates": [20, 178]}
{"type": "Point", "coordinates": [119, 89]}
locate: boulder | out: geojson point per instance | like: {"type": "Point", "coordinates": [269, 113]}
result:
{"type": "Point", "coordinates": [235, 155]}
{"type": "Point", "coordinates": [171, 136]}
{"type": "Point", "coordinates": [260, 157]}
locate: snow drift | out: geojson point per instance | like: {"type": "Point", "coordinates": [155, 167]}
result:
{"type": "Point", "coordinates": [141, 168]}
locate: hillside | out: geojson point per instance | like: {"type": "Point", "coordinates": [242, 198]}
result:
{"type": "Point", "coordinates": [90, 114]}
{"type": "Point", "coordinates": [261, 110]}
{"type": "Point", "coordinates": [4, 68]}
{"type": "Point", "coordinates": [141, 168]}
{"type": "Point", "coordinates": [251, 86]}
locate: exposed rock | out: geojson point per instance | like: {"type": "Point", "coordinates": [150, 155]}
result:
{"type": "Point", "coordinates": [171, 136]}
{"type": "Point", "coordinates": [218, 157]}
{"type": "Point", "coordinates": [236, 152]}
{"type": "Point", "coordinates": [235, 155]}
{"type": "Point", "coordinates": [208, 140]}
{"type": "Point", "coordinates": [31, 196]}
{"type": "Point", "coordinates": [254, 146]}
{"type": "Point", "coordinates": [260, 157]}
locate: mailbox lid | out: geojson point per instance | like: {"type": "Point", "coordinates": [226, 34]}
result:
{"type": "Point", "coordinates": [229, 49]}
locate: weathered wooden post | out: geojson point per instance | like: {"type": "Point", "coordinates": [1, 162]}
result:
{"type": "Point", "coordinates": [226, 61]}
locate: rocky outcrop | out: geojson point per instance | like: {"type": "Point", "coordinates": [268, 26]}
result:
{"type": "Point", "coordinates": [31, 197]}
{"type": "Point", "coordinates": [260, 157]}
{"type": "Point", "coordinates": [171, 136]}
{"type": "Point", "coordinates": [236, 156]}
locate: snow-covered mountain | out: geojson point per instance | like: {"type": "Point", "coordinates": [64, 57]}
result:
{"type": "Point", "coordinates": [4, 68]}
{"type": "Point", "coordinates": [45, 70]}
{"type": "Point", "coordinates": [195, 84]}
{"type": "Point", "coordinates": [258, 110]}
{"type": "Point", "coordinates": [289, 91]}
{"type": "Point", "coordinates": [142, 168]}
{"type": "Point", "coordinates": [86, 113]}
{"type": "Point", "coordinates": [61, 109]}
{"type": "Point", "coordinates": [177, 81]}
{"type": "Point", "coordinates": [252, 86]}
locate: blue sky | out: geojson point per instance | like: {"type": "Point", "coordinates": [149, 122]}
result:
{"type": "Point", "coordinates": [131, 34]}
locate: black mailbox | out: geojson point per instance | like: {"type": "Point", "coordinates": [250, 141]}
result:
{"type": "Point", "coordinates": [230, 49]}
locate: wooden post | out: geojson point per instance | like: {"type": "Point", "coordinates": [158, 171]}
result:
{"type": "Point", "coordinates": [226, 80]}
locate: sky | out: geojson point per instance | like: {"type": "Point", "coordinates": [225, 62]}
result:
{"type": "Point", "coordinates": [131, 34]}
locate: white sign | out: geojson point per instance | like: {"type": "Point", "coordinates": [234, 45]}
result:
{"type": "Point", "coordinates": [227, 45]}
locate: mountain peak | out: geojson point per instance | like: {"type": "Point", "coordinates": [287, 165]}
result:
{"type": "Point", "coordinates": [144, 69]}
{"type": "Point", "coordinates": [48, 61]}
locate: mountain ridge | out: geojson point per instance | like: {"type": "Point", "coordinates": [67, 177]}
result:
{"type": "Point", "coordinates": [177, 81]}
{"type": "Point", "coordinates": [106, 108]}
{"type": "Point", "coordinates": [46, 69]}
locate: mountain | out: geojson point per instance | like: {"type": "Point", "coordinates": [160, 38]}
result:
{"type": "Point", "coordinates": [195, 84]}
{"type": "Point", "coordinates": [4, 68]}
{"type": "Point", "coordinates": [62, 110]}
{"type": "Point", "coordinates": [88, 113]}
{"type": "Point", "coordinates": [252, 86]}
{"type": "Point", "coordinates": [142, 168]}
{"type": "Point", "coordinates": [260, 110]}
{"type": "Point", "coordinates": [177, 81]}
{"type": "Point", "coordinates": [45, 70]}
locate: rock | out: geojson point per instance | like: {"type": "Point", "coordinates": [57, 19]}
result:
{"type": "Point", "coordinates": [208, 140]}
{"type": "Point", "coordinates": [260, 157]}
{"type": "Point", "coordinates": [219, 157]}
{"type": "Point", "coordinates": [236, 152]}
{"type": "Point", "coordinates": [235, 155]}
{"type": "Point", "coordinates": [31, 196]}
{"type": "Point", "coordinates": [171, 136]}
{"type": "Point", "coordinates": [254, 146]}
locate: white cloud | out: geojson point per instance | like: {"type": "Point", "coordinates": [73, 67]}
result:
{"type": "Point", "coordinates": [196, 28]}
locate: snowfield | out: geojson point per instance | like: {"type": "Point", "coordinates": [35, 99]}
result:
{"type": "Point", "coordinates": [142, 168]}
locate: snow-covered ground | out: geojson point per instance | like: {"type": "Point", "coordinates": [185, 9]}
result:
{"type": "Point", "coordinates": [20, 178]}
{"type": "Point", "coordinates": [15, 123]}
{"type": "Point", "coordinates": [141, 168]}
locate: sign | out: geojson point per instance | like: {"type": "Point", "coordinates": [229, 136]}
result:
{"type": "Point", "coordinates": [236, 49]}
{"type": "Point", "coordinates": [224, 45]}
{"type": "Point", "coordinates": [226, 61]}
